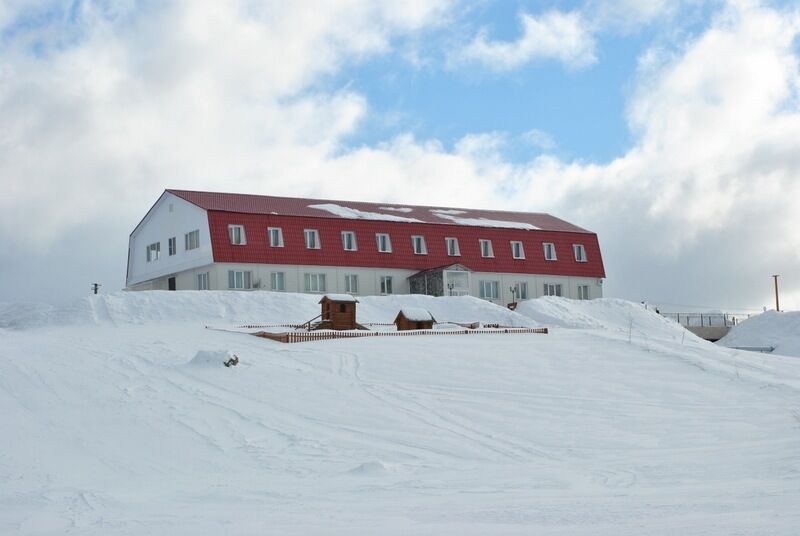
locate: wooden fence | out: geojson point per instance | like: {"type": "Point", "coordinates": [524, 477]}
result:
{"type": "Point", "coordinates": [305, 336]}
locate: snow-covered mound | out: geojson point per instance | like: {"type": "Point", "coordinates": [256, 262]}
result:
{"type": "Point", "coordinates": [607, 314]}
{"type": "Point", "coordinates": [779, 330]}
{"type": "Point", "coordinates": [259, 307]}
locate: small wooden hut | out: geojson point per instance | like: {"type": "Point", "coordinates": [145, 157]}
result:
{"type": "Point", "coordinates": [338, 312]}
{"type": "Point", "coordinates": [414, 318]}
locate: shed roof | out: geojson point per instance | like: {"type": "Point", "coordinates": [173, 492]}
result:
{"type": "Point", "coordinates": [339, 298]}
{"type": "Point", "coordinates": [321, 208]}
{"type": "Point", "coordinates": [416, 314]}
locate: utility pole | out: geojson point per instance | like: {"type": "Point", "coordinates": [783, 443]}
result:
{"type": "Point", "coordinates": [777, 303]}
{"type": "Point", "coordinates": [95, 287]}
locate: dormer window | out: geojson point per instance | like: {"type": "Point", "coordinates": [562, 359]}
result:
{"type": "Point", "coordinates": [349, 241]}
{"type": "Point", "coordinates": [312, 238]}
{"type": "Point", "coordinates": [418, 243]}
{"type": "Point", "coordinates": [452, 247]}
{"type": "Point", "coordinates": [486, 248]}
{"type": "Point", "coordinates": [580, 252]}
{"type": "Point", "coordinates": [549, 251]}
{"type": "Point", "coordinates": [384, 242]}
{"type": "Point", "coordinates": [236, 235]}
{"type": "Point", "coordinates": [275, 237]}
{"type": "Point", "coordinates": [517, 250]}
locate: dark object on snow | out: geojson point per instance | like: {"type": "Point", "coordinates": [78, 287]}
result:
{"type": "Point", "coordinates": [232, 361]}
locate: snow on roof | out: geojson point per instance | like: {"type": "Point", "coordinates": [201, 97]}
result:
{"type": "Point", "coordinates": [484, 222]}
{"type": "Point", "coordinates": [416, 314]}
{"type": "Point", "coordinates": [340, 298]}
{"type": "Point", "coordinates": [296, 206]}
{"type": "Point", "coordinates": [355, 214]}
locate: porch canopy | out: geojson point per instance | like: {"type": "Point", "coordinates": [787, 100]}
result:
{"type": "Point", "coordinates": [449, 280]}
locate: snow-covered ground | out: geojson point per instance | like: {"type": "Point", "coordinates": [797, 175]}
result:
{"type": "Point", "coordinates": [769, 329]}
{"type": "Point", "coordinates": [117, 417]}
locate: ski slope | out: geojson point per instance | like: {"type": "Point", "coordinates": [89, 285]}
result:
{"type": "Point", "coordinates": [119, 418]}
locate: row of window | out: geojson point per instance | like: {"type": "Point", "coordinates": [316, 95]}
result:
{"type": "Point", "coordinates": [191, 240]}
{"type": "Point", "coordinates": [316, 283]}
{"type": "Point", "coordinates": [384, 243]}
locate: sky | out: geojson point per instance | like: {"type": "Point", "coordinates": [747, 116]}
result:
{"type": "Point", "coordinates": [670, 128]}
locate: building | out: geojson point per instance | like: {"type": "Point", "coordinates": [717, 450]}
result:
{"type": "Point", "coordinates": [216, 241]}
{"type": "Point", "coordinates": [414, 318]}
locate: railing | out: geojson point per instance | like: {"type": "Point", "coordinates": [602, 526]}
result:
{"type": "Point", "coordinates": [706, 319]}
{"type": "Point", "coordinates": [305, 336]}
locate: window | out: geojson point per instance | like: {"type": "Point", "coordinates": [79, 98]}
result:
{"type": "Point", "coordinates": [153, 252]}
{"type": "Point", "coordinates": [349, 241]}
{"type": "Point", "coordinates": [202, 281]}
{"type": "Point", "coordinates": [315, 282]}
{"type": "Point", "coordinates": [552, 289]}
{"type": "Point", "coordinates": [452, 247]}
{"type": "Point", "coordinates": [386, 284]}
{"type": "Point", "coordinates": [277, 281]}
{"type": "Point", "coordinates": [384, 243]}
{"type": "Point", "coordinates": [239, 280]}
{"type": "Point", "coordinates": [520, 290]}
{"type": "Point", "coordinates": [312, 239]}
{"type": "Point", "coordinates": [549, 251]}
{"type": "Point", "coordinates": [418, 243]}
{"type": "Point", "coordinates": [516, 250]}
{"type": "Point", "coordinates": [351, 284]}
{"type": "Point", "coordinates": [583, 292]}
{"type": "Point", "coordinates": [275, 237]}
{"type": "Point", "coordinates": [490, 290]}
{"type": "Point", "coordinates": [486, 248]}
{"type": "Point", "coordinates": [580, 252]}
{"type": "Point", "coordinates": [171, 246]}
{"type": "Point", "coordinates": [236, 234]}
{"type": "Point", "coordinates": [192, 240]}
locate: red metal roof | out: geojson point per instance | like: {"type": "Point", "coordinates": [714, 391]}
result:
{"type": "Point", "coordinates": [294, 206]}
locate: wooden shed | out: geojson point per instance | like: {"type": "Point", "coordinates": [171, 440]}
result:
{"type": "Point", "coordinates": [414, 318]}
{"type": "Point", "coordinates": [338, 312]}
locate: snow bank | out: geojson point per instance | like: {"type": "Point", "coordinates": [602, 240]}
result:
{"type": "Point", "coordinates": [608, 314]}
{"type": "Point", "coordinates": [210, 358]}
{"type": "Point", "coordinates": [257, 307]}
{"type": "Point", "coordinates": [781, 330]}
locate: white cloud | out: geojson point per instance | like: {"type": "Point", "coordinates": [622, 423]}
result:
{"type": "Point", "coordinates": [554, 35]}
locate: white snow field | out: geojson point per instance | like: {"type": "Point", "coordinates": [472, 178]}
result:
{"type": "Point", "coordinates": [769, 329]}
{"type": "Point", "coordinates": [117, 417]}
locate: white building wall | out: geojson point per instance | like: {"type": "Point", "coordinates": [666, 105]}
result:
{"type": "Point", "coordinates": [369, 280]}
{"type": "Point", "coordinates": [171, 216]}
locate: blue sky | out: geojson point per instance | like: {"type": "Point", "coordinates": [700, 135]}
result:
{"type": "Point", "coordinates": [669, 127]}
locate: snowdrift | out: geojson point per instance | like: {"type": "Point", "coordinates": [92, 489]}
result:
{"type": "Point", "coordinates": [259, 307]}
{"type": "Point", "coordinates": [781, 330]}
{"type": "Point", "coordinates": [607, 314]}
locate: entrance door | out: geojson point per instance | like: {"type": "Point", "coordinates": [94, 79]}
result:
{"type": "Point", "coordinates": [171, 283]}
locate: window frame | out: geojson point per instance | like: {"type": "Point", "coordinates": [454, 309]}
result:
{"type": "Point", "coordinates": [279, 237]}
{"type": "Point", "coordinates": [489, 250]}
{"type": "Point", "coordinates": [172, 246]}
{"type": "Point", "coordinates": [552, 248]}
{"type": "Point", "coordinates": [521, 255]}
{"type": "Point", "coordinates": [351, 234]}
{"type": "Point", "coordinates": [349, 287]}
{"type": "Point", "coordinates": [582, 257]}
{"type": "Point", "coordinates": [202, 281]}
{"type": "Point", "coordinates": [386, 290]}
{"type": "Point", "coordinates": [519, 287]}
{"type": "Point", "coordinates": [318, 278]}
{"type": "Point", "coordinates": [153, 251]}
{"type": "Point", "coordinates": [423, 245]}
{"type": "Point", "coordinates": [557, 288]}
{"type": "Point", "coordinates": [191, 240]}
{"type": "Point", "coordinates": [315, 234]}
{"type": "Point", "coordinates": [232, 228]}
{"type": "Point", "coordinates": [492, 285]}
{"type": "Point", "coordinates": [246, 279]}
{"type": "Point", "coordinates": [456, 248]}
{"type": "Point", "coordinates": [274, 279]}
{"type": "Point", "coordinates": [388, 244]}
{"type": "Point", "coordinates": [583, 292]}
